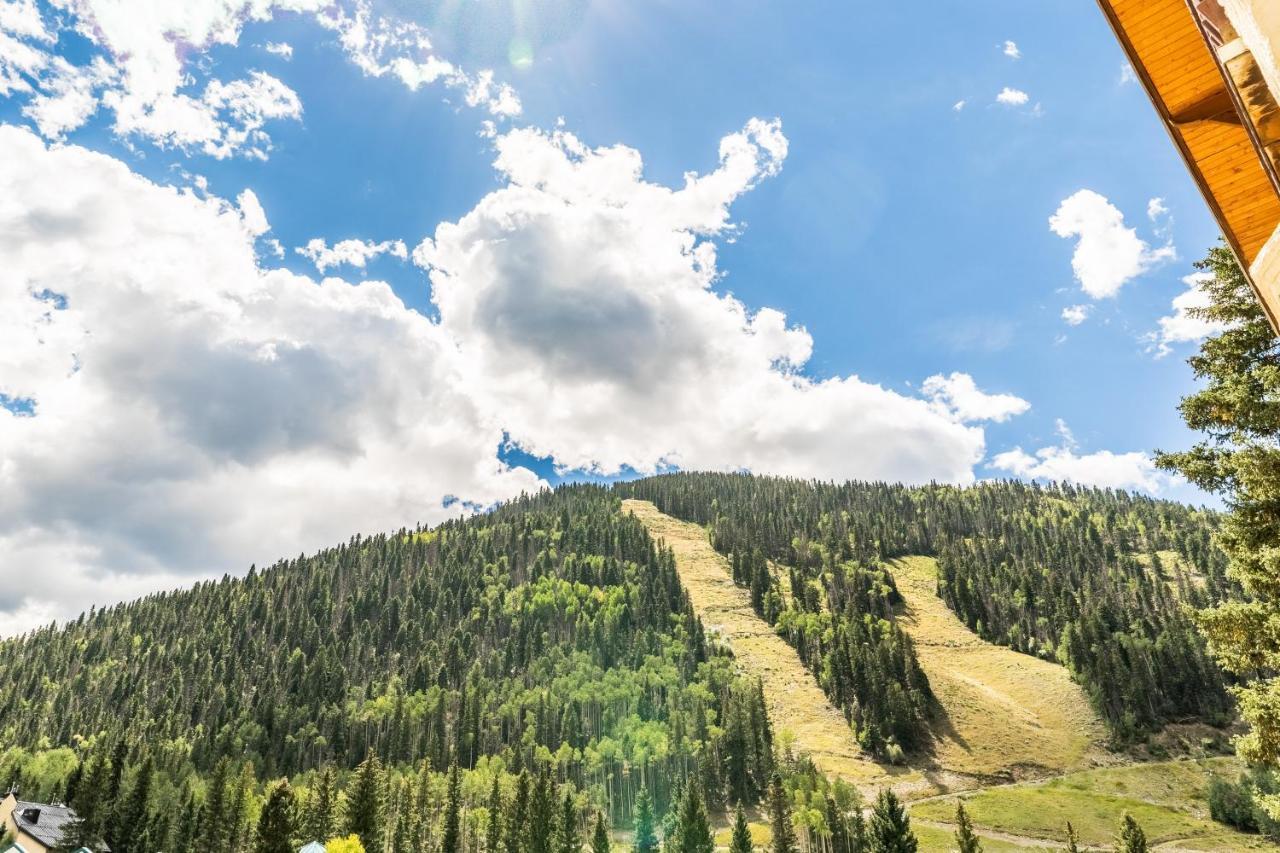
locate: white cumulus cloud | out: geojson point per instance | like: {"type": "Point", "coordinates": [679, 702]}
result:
{"type": "Point", "coordinates": [1011, 50]}
{"type": "Point", "coordinates": [1108, 253]}
{"type": "Point", "coordinates": [960, 397]}
{"type": "Point", "coordinates": [1064, 463]}
{"type": "Point", "coordinates": [1074, 315]}
{"type": "Point", "coordinates": [356, 253]}
{"type": "Point", "coordinates": [1012, 97]}
{"type": "Point", "coordinates": [1180, 326]}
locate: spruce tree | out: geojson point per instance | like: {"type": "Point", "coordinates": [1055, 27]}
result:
{"type": "Point", "coordinates": [837, 825]}
{"type": "Point", "coordinates": [741, 840]}
{"type": "Point", "coordinates": [857, 825]}
{"type": "Point", "coordinates": [966, 840]}
{"type": "Point", "coordinates": [275, 825]}
{"type": "Point", "coordinates": [567, 840]}
{"type": "Point", "coordinates": [542, 816]}
{"type": "Point", "coordinates": [518, 822]}
{"type": "Point", "coordinates": [493, 832]}
{"type": "Point", "coordinates": [1240, 460]}
{"type": "Point", "coordinates": [132, 814]}
{"type": "Point", "coordinates": [451, 840]}
{"type": "Point", "coordinates": [646, 836]}
{"type": "Point", "coordinates": [890, 829]}
{"type": "Point", "coordinates": [694, 832]}
{"type": "Point", "coordinates": [214, 830]}
{"type": "Point", "coordinates": [600, 838]}
{"type": "Point", "coordinates": [364, 804]}
{"type": "Point", "coordinates": [1131, 838]}
{"type": "Point", "coordinates": [322, 802]}
{"type": "Point", "coordinates": [784, 833]}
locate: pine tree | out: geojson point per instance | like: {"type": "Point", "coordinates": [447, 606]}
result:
{"type": "Point", "coordinates": [857, 825]}
{"type": "Point", "coordinates": [542, 816]}
{"type": "Point", "coordinates": [364, 804]}
{"type": "Point", "coordinates": [1073, 840]}
{"type": "Point", "coordinates": [694, 833]}
{"type": "Point", "coordinates": [646, 837]}
{"type": "Point", "coordinates": [966, 840]}
{"type": "Point", "coordinates": [493, 832]}
{"type": "Point", "coordinates": [567, 840]}
{"type": "Point", "coordinates": [784, 833]}
{"type": "Point", "coordinates": [837, 825]}
{"type": "Point", "coordinates": [214, 830]}
{"type": "Point", "coordinates": [741, 840]}
{"type": "Point", "coordinates": [132, 814]}
{"type": "Point", "coordinates": [1240, 460]}
{"type": "Point", "coordinates": [451, 842]}
{"type": "Point", "coordinates": [890, 829]}
{"type": "Point", "coordinates": [322, 802]}
{"type": "Point", "coordinates": [600, 838]}
{"type": "Point", "coordinates": [1131, 838]}
{"type": "Point", "coordinates": [518, 824]}
{"type": "Point", "coordinates": [275, 825]}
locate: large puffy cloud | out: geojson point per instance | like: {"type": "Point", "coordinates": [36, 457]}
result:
{"type": "Point", "coordinates": [581, 296]}
{"type": "Point", "coordinates": [183, 411]}
{"type": "Point", "coordinates": [1108, 253]}
{"type": "Point", "coordinates": [144, 75]}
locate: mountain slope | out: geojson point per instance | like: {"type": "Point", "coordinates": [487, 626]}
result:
{"type": "Point", "coordinates": [1004, 712]}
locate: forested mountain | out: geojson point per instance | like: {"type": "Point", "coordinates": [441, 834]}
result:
{"type": "Point", "coordinates": [549, 634]}
{"type": "Point", "coordinates": [516, 674]}
{"type": "Point", "coordinates": [1096, 579]}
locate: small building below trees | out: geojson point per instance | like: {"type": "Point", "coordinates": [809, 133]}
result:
{"type": "Point", "coordinates": [36, 827]}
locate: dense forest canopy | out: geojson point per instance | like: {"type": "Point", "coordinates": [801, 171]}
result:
{"type": "Point", "coordinates": [1096, 579]}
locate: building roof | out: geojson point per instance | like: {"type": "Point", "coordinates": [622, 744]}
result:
{"type": "Point", "coordinates": [49, 825]}
{"type": "Point", "coordinates": [1173, 59]}
{"type": "Point", "coordinates": [312, 847]}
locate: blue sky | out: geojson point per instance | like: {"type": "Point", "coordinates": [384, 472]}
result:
{"type": "Point", "coordinates": [906, 228]}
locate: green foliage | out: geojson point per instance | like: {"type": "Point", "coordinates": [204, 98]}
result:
{"type": "Point", "coordinates": [364, 804]}
{"type": "Point", "coordinates": [600, 837]}
{"type": "Point", "coordinates": [740, 842]}
{"type": "Point", "coordinates": [1061, 572]}
{"type": "Point", "coordinates": [1073, 839]}
{"type": "Point", "coordinates": [1238, 410]}
{"type": "Point", "coordinates": [1241, 804]}
{"type": "Point", "coordinates": [966, 839]}
{"type": "Point", "coordinates": [784, 833]}
{"type": "Point", "coordinates": [275, 830]}
{"type": "Point", "coordinates": [1131, 838]}
{"type": "Point", "coordinates": [646, 837]}
{"type": "Point", "coordinates": [451, 841]}
{"type": "Point", "coordinates": [890, 828]}
{"type": "Point", "coordinates": [694, 833]}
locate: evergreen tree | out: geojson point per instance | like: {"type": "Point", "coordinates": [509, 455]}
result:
{"type": "Point", "coordinates": [321, 822]}
{"type": "Point", "coordinates": [857, 825]}
{"type": "Point", "coordinates": [493, 832]}
{"type": "Point", "coordinates": [784, 833]}
{"type": "Point", "coordinates": [1131, 838]}
{"type": "Point", "coordinates": [518, 824]}
{"type": "Point", "coordinates": [837, 825]}
{"type": "Point", "coordinates": [451, 840]}
{"type": "Point", "coordinates": [364, 804]}
{"type": "Point", "coordinates": [694, 832]}
{"type": "Point", "coordinates": [132, 814]}
{"type": "Point", "coordinates": [214, 823]}
{"type": "Point", "coordinates": [741, 840]}
{"type": "Point", "coordinates": [542, 816]}
{"type": "Point", "coordinates": [966, 840]}
{"type": "Point", "coordinates": [646, 836]}
{"type": "Point", "coordinates": [567, 840]}
{"type": "Point", "coordinates": [1240, 460]}
{"type": "Point", "coordinates": [275, 824]}
{"type": "Point", "coordinates": [890, 829]}
{"type": "Point", "coordinates": [600, 838]}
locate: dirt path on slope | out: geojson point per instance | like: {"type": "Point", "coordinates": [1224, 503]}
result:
{"type": "Point", "coordinates": [1006, 712]}
{"type": "Point", "coordinates": [797, 704]}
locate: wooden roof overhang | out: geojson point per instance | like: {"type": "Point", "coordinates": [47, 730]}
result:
{"type": "Point", "coordinates": [1202, 112]}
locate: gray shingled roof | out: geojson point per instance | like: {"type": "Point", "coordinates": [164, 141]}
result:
{"type": "Point", "coordinates": [49, 827]}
